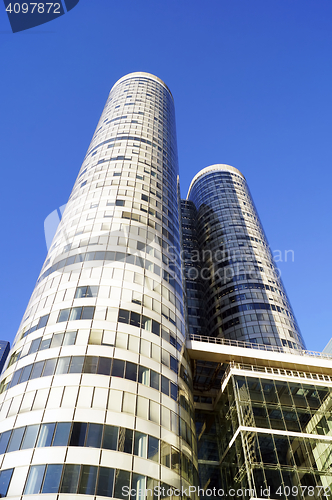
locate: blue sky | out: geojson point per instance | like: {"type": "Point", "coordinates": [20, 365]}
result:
{"type": "Point", "coordinates": [252, 87]}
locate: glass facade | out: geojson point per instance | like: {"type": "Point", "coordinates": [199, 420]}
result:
{"type": "Point", "coordinates": [244, 298]}
{"type": "Point", "coordinates": [97, 393]}
{"type": "Point", "coordinates": [268, 434]}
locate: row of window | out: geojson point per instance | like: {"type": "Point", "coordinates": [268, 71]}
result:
{"type": "Point", "coordinates": [90, 480]}
{"type": "Point", "coordinates": [114, 256]}
{"type": "Point", "coordinates": [124, 316]}
{"type": "Point", "coordinates": [123, 138]}
{"type": "Point", "coordinates": [40, 344]}
{"type": "Point", "coordinates": [93, 365]}
{"type": "Point", "coordinates": [102, 337]}
{"type": "Point", "coordinates": [91, 435]}
{"type": "Point", "coordinates": [101, 398]}
{"type": "Point", "coordinates": [253, 306]}
{"type": "Point", "coordinates": [162, 192]}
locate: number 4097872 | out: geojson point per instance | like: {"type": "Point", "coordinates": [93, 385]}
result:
{"type": "Point", "coordinates": [40, 8]}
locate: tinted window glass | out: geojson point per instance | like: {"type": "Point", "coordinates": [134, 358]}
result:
{"type": "Point", "coordinates": [26, 373]}
{"type": "Point", "coordinates": [61, 435]}
{"type": "Point", "coordinates": [105, 482]}
{"type": "Point", "coordinates": [75, 313]}
{"type": "Point", "coordinates": [70, 478]}
{"type": "Point", "coordinates": [110, 438]}
{"type": "Point", "coordinates": [49, 367]}
{"type": "Point", "coordinates": [121, 480]}
{"type": "Point", "coordinates": [131, 371]}
{"type": "Point", "coordinates": [78, 434]}
{"type": "Point", "coordinates": [88, 313]}
{"type": "Point", "coordinates": [16, 439]}
{"type": "Point", "coordinates": [154, 380]}
{"type": "Point", "coordinates": [153, 449]}
{"type": "Point", "coordinates": [30, 437]}
{"type": "Point", "coordinates": [90, 364]}
{"type": "Point", "coordinates": [94, 435]}
{"type": "Point", "coordinates": [76, 365]}
{"type": "Point", "coordinates": [34, 345]}
{"type": "Point", "coordinates": [45, 344]}
{"type": "Point", "coordinates": [104, 366]}
{"type": "Point", "coordinates": [45, 435]}
{"type": "Point", "coordinates": [63, 315]}
{"type": "Point", "coordinates": [16, 377]}
{"type": "Point", "coordinates": [88, 480]}
{"type": "Point", "coordinates": [35, 479]}
{"type": "Point", "coordinates": [5, 477]}
{"type": "Point", "coordinates": [117, 368]}
{"type": "Point", "coordinates": [52, 478]}
{"type": "Point", "coordinates": [4, 441]}
{"type": "Point", "coordinates": [164, 385]}
{"type": "Point", "coordinates": [62, 366]}
{"type": "Point", "coordinates": [37, 369]}
{"type": "Point", "coordinates": [57, 340]}
{"type": "Point", "coordinates": [70, 338]}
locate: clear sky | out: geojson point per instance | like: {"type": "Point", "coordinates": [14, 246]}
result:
{"type": "Point", "coordinates": [252, 83]}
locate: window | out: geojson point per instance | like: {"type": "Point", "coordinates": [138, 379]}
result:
{"type": "Point", "coordinates": [4, 441]}
{"type": "Point", "coordinates": [16, 439]}
{"type": "Point", "coordinates": [35, 478]}
{"type": "Point", "coordinates": [105, 482]}
{"type": "Point", "coordinates": [30, 437]}
{"type": "Point", "coordinates": [5, 477]}
{"type": "Point", "coordinates": [153, 449]}
{"type": "Point", "coordinates": [110, 438]}
{"type": "Point", "coordinates": [118, 368]}
{"type": "Point", "coordinates": [88, 480]}
{"type": "Point", "coordinates": [93, 439]}
{"type": "Point", "coordinates": [86, 291]}
{"type": "Point", "coordinates": [63, 315]}
{"type": "Point", "coordinates": [43, 321]}
{"type": "Point", "coordinates": [122, 480]}
{"type": "Point", "coordinates": [76, 313]}
{"type": "Point", "coordinates": [70, 478]}
{"type": "Point", "coordinates": [78, 434]}
{"type": "Point", "coordinates": [140, 444]}
{"type": "Point", "coordinates": [52, 478]}
{"type": "Point", "coordinates": [61, 435]}
{"type": "Point", "coordinates": [131, 371]}
{"type": "Point", "coordinates": [45, 435]}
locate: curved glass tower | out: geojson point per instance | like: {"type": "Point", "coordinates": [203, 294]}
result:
{"type": "Point", "coordinates": [96, 396]}
{"type": "Point", "coordinates": [244, 296]}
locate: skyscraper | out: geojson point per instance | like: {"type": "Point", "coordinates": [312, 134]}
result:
{"type": "Point", "coordinates": [244, 296]}
{"type": "Point", "coordinates": [97, 395]}
{"type": "Point", "coordinates": [122, 365]}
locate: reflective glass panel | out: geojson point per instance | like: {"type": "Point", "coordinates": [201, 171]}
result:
{"type": "Point", "coordinates": [30, 437]}
{"type": "Point", "coordinates": [61, 435]}
{"type": "Point", "coordinates": [35, 479]}
{"type": "Point", "coordinates": [88, 480]}
{"type": "Point", "coordinates": [5, 477]}
{"type": "Point", "coordinates": [105, 482]}
{"type": "Point", "coordinates": [70, 478]}
{"type": "Point", "coordinates": [94, 435]}
{"type": "Point", "coordinates": [16, 439]}
{"type": "Point", "coordinates": [52, 478]}
{"type": "Point", "coordinates": [45, 435]}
